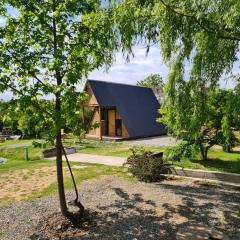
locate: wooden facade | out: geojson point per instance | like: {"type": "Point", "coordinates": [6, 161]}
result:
{"type": "Point", "coordinates": [110, 123]}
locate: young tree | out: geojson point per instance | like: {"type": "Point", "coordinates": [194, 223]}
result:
{"type": "Point", "coordinates": [201, 117]}
{"type": "Point", "coordinates": [47, 48]}
{"type": "Point", "coordinates": [155, 82]}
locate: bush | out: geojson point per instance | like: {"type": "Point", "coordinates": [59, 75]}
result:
{"type": "Point", "coordinates": [183, 150]}
{"type": "Point", "coordinates": [145, 166]}
{"type": "Point", "coordinates": [36, 144]}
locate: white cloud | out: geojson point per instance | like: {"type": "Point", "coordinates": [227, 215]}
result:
{"type": "Point", "coordinates": [139, 67]}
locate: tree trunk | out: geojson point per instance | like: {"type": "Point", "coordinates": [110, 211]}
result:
{"type": "Point", "coordinates": [61, 192]}
{"type": "Point", "coordinates": [204, 152]}
{"type": "Point", "coordinates": [60, 182]}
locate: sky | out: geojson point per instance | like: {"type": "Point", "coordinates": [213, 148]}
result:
{"type": "Point", "coordinates": [139, 67]}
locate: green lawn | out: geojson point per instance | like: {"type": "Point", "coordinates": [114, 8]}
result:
{"type": "Point", "coordinates": [108, 148]}
{"type": "Point", "coordinates": [16, 158]}
{"type": "Point", "coordinates": [88, 172]}
{"type": "Point", "coordinates": [218, 160]}
{"type": "Point", "coordinates": [10, 142]}
{"type": "Point", "coordinates": [17, 172]}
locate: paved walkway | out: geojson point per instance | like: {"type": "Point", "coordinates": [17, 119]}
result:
{"type": "Point", "coordinates": [91, 158]}
{"type": "Point", "coordinates": [15, 145]}
{"type": "Point", "coordinates": [159, 141]}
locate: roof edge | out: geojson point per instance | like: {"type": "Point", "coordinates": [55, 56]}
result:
{"type": "Point", "coordinates": [117, 83]}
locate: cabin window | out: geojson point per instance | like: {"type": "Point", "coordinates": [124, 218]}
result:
{"type": "Point", "coordinates": [118, 125]}
{"type": "Point", "coordinates": [104, 114]}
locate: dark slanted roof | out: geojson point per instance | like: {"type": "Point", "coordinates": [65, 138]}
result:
{"type": "Point", "coordinates": [137, 106]}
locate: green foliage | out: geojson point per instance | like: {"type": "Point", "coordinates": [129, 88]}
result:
{"type": "Point", "coordinates": [152, 81]}
{"type": "Point", "coordinates": [37, 144]}
{"type": "Point", "coordinates": [143, 165]}
{"type": "Point", "coordinates": [199, 42]}
{"type": "Point", "coordinates": [229, 139]}
{"type": "Point", "coordinates": [68, 40]}
{"type": "Point", "coordinates": [7, 116]}
{"type": "Point", "coordinates": [203, 33]}
{"type": "Point", "coordinates": [183, 150]}
{"type": "Point", "coordinates": [155, 82]}
{"type": "Point", "coordinates": [23, 118]}
{"type": "Point", "coordinates": [196, 114]}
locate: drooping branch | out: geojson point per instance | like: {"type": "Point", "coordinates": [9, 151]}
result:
{"type": "Point", "coordinates": [206, 24]}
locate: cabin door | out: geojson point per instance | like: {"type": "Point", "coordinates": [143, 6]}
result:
{"type": "Point", "coordinates": [111, 122]}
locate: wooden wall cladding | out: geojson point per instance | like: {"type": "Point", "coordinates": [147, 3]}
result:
{"type": "Point", "coordinates": [111, 123]}
{"type": "Point", "coordinates": [95, 119]}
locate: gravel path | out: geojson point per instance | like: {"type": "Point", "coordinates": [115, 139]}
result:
{"type": "Point", "coordinates": [134, 210]}
{"type": "Point", "coordinates": [154, 141]}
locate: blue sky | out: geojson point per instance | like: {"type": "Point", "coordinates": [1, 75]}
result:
{"type": "Point", "coordinates": [138, 68]}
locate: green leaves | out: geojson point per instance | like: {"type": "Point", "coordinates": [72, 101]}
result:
{"type": "Point", "coordinates": [49, 47]}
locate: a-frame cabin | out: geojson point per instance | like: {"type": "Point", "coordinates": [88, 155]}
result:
{"type": "Point", "coordinates": [122, 111]}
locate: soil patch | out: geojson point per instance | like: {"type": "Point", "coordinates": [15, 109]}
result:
{"type": "Point", "coordinates": [19, 185]}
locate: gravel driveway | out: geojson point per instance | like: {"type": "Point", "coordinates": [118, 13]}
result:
{"type": "Point", "coordinates": [131, 210]}
{"type": "Point", "coordinates": [160, 141]}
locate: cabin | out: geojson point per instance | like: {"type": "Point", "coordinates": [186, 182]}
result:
{"type": "Point", "coordinates": [122, 111]}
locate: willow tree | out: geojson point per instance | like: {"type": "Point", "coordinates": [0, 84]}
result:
{"type": "Point", "coordinates": [199, 41]}
{"type": "Point", "coordinates": [46, 48]}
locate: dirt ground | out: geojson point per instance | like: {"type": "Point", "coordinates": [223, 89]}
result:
{"type": "Point", "coordinates": [126, 210]}
{"type": "Point", "coordinates": [18, 185]}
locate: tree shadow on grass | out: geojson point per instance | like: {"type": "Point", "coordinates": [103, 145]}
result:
{"type": "Point", "coordinates": [236, 151]}
{"type": "Point", "coordinates": [221, 165]}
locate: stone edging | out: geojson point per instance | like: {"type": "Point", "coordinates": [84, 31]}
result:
{"type": "Point", "coordinates": [220, 176]}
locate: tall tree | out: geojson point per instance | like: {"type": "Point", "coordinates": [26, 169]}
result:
{"type": "Point", "coordinates": [47, 48]}
{"type": "Point", "coordinates": [155, 82]}
{"type": "Point", "coordinates": [199, 40]}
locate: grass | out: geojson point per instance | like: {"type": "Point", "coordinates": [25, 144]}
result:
{"type": "Point", "coordinates": [89, 172]}
{"type": "Point", "coordinates": [217, 161]}
{"type": "Point", "coordinates": [10, 142]}
{"type": "Point", "coordinates": [107, 148]}
{"type": "Point", "coordinates": [16, 163]}
{"type": "Point", "coordinates": [16, 159]}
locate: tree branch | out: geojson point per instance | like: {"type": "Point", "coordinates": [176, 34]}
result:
{"type": "Point", "coordinates": [33, 74]}
{"type": "Point", "coordinates": [208, 24]}
{"type": "Point", "coordinates": [36, 104]}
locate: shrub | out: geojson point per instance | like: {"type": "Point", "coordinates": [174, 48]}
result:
{"type": "Point", "coordinates": [36, 144]}
{"type": "Point", "coordinates": [145, 166]}
{"type": "Point", "coordinates": [183, 150]}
